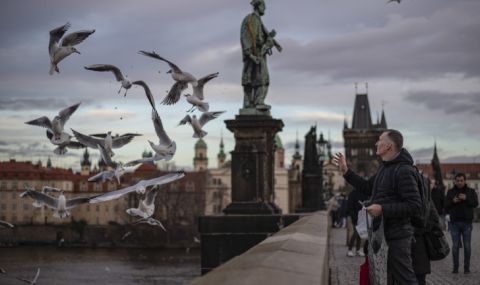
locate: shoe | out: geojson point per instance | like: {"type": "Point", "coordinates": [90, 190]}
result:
{"type": "Point", "coordinates": [350, 253]}
{"type": "Point", "coordinates": [455, 271]}
{"type": "Point", "coordinates": [466, 272]}
{"type": "Point", "coordinates": [360, 253]}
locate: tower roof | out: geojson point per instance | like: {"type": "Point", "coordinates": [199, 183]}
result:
{"type": "Point", "coordinates": [200, 144]}
{"type": "Point", "coordinates": [361, 113]}
{"type": "Point", "coordinates": [278, 142]}
{"type": "Point", "coordinates": [86, 159]}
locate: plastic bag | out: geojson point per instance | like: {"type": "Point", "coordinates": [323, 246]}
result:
{"type": "Point", "coordinates": [363, 223]}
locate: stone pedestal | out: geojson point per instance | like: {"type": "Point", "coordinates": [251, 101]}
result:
{"type": "Point", "coordinates": [252, 215]}
{"type": "Point", "coordinates": [253, 164]}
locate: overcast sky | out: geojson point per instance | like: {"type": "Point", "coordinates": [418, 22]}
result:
{"type": "Point", "coordinates": [420, 59]}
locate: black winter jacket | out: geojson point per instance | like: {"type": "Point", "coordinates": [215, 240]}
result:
{"type": "Point", "coordinates": [399, 202]}
{"type": "Point", "coordinates": [353, 206]}
{"type": "Point", "coordinates": [462, 211]}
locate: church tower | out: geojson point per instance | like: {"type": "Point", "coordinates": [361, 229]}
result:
{"type": "Point", "coordinates": [297, 157]}
{"type": "Point", "coordinates": [360, 139]}
{"type": "Point", "coordinates": [279, 152]}
{"type": "Point", "coordinates": [85, 163]}
{"type": "Point", "coordinates": [221, 156]}
{"type": "Point", "coordinates": [200, 161]}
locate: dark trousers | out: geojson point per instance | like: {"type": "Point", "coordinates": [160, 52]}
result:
{"type": "Point", "coordinates": [422, 279]}
{"type": "Point", "coordinates": [399, 265]}
{"type": "Point", "coordinates": [354, 239]}
{"type": "Point", "coordinates": [461, 230]}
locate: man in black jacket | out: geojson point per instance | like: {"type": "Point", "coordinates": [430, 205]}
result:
{"type": "Point", "coordinates": [460, 202]}
{"type": "Point", "coordinates": [395, 195]}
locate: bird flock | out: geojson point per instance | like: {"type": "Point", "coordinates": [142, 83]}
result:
{"type": "Point", "coordinates": [61, 46]}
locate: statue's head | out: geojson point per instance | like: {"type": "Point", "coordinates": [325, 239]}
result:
{"type": "Point", "coordinates": [259, 6]}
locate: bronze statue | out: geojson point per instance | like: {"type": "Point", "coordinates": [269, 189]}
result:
{"type": "Point", "coordinates": [256, 42]}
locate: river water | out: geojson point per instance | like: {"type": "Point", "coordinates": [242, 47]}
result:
{"type": "Point", "coordinates": [81, 266]}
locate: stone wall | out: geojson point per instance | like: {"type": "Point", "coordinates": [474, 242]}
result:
{"type": "Point", "coordinates": [297, 254]}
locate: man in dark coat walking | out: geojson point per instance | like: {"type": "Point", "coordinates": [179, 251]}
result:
{"type": "Point", "coordinates": [395, 196]}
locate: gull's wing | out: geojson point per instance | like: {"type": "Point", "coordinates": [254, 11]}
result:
{"type": "Point", "coordinates": [105, 156]}
{"type": "Point", "coordinates": [55, 36]}
{"type": "Point", "coordinates": [36, 276]}
{"type": "Point", "coordinates": [87, 140]}
{"type": "Point", "coordinates": [41, 122]}
{"type": "Point", "coordinates": [164, 179]}
{"type": "Point", "coordinates": [186, 119]}
{"type": "Point", "coordinates": [67, 112]}
{"type": "Point", "coordinates": [148, 93]}
{"type": "Point", "coordinates": [76, 37]}
{"type": "Point", "coordinates": [6, 224]}
{"type": "Point", "coordinates": [208, 116]}
{"type": "Point", "coordinates": [150, 196]}
{"type": "Point", "coordinates": [112, 195]}
{"type": "Point", "coordinates": [198, 90]}
{"type": "Point", "coordinates": [75, 145]}
{"type": "Point", "coordinates": [122, 140]}
{"type": "Point", "coordinates": [175, 93]}
{"type": "Point", "coordinates": [161, 134]}
{"type": "Point", "coordinates": [46, 189]}
{"type": "Point", "coordinates": [145, 183]}
{"type": "Point", "coordinates": [107, 67]}
{"type": "Point", "coordinates": [71, 203]}
{"type": "Point", "coordinates": [102, 176]}
{"type": "Point", "coordinates": [104, 135]}
{"type": "Point", "coordinates": [138, 161]}
{"type": "Point", "coordinates": [156, 56]}
{"type": "Point", "coordinates": [49, 201]}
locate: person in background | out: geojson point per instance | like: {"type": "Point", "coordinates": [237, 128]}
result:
{"type": "Point", "coordinates": [353, 206]}
{"type": "Point", "coordinates": [460, 202]}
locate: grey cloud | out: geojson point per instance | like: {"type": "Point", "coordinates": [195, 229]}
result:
{"type": "Point", "coordinates": [37, 103]}
{"type": "Point", "coordinates": [450, 103]}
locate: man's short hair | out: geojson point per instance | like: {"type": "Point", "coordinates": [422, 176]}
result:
{"type": "Point", "coordinates": [396, 137]}
{"type": "Point", "coordinates": [461, 174]}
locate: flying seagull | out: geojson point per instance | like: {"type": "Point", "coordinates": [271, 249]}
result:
{"type": "Point", "coordinates": [62, 148]}
{"type": "Point", "coordinates": [165, 149]}
{"type": "Point", "coordinates": [116, 172]}
{"type": "Point", "coordinates": [33, 281]}
{"type": "Point", "coordinates": [398, 1]}
{"type": "Point", "coordinates": [148, 93]}
{"type": "Point", "coordinates": [106, 140]}
{"type": "Point", "coordinates": [197, 98]}
{"type": "Point", "coordinates": [56, 125]}
{"type": "Point", "coordinates": [181, 78]}
{"type": "Point", "coordinates": [60, 205]}
{"type": "Point", "coordinates": [4, 224]}
{"type": "Point", "coordinates": [146, 206]}
{"type": "Point", "coordinates": [116, 71]}
{"type": "Point", "coordinates": [139, 187]}
{"type": "Point", "coordinates": [60, 50]}
{"type": "Point", "coordinates": [197, 124]}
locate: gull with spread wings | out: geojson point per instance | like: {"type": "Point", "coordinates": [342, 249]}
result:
{"type": "Point", "coordinates": [116, 71]}
{"type": "Point", "coordinates": [116, 170]}
{"type": "Point", "coordinates": [60, 50]}
{"type": "Point", "coordinates": [197, 98]}
{"type": "Point", "coordinates": [60, 205]}
{"type": "Point", "coordinates": [108, 141]}
{"type": "Point", "coordinates": [56, 125]}
{"type": "Point", "coordinates": [197, 124]}
{"type": "Point", "coordinates": [139, 188]}
{"type": "Point", "coordinates": [165, 149]}
{"type": "Point", "coordinates": [182, 78]}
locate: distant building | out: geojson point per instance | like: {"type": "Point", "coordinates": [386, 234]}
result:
{"type": "Point", "coordinates": [360, 138]}
{"type": "Point", "coordinates": [200, 161]}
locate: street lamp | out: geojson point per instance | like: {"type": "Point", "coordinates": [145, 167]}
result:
{"type": "Point", "coordinates": [322, 148]}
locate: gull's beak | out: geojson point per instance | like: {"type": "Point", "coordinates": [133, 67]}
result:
{"type": "Point", "coordinates": [170, 71]}
{"type": "Point", "coordinates": [76, 51]}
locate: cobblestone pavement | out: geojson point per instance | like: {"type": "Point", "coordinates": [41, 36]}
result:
{"type": "Point", "coordinates": [345, 270]}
